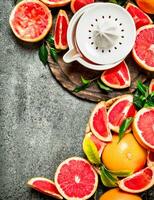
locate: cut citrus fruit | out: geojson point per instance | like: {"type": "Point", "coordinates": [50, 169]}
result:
{"type": "Point", "coordinates": [143, 51]}
{"type": "Point", "coordinates": [77, 4]}
{"type": "Point", "coordinates": [111, 101]}
{"type": "Point", "coordinates": [143, 127]}
{"type": "Point", "coordinates": [126, 155]}
{"type": "Point", "coordinates": [146, 5]}
{"type": "Point", "coordinates": [60, 34]}
{"type": "Point", "coordinates": [140, 18]}
{"type": "Point", "coordinates": [98, 143]}
{"type": "Point", "coordinates": [76, 179]}
{"type": "Point", "coordinates": [150, 159]}
{"type": "Point", "coordinates": [55, 3]}
{"type": "Point", "coordinates": [119, 111]}
{"type": "Point", "coordinates": [44, 186]}
{"type": "Point", "coordinates": [98, 122]}
{"type": "Point", "coordinates": [87, 128]}
{"type": "Point", "coordinates": [117, 77]}
{"type": "Point", "coordinates": [116, 194]}
{"type": "Point", "coordinates": [30, 20]}
{"type": "Point", "coordinates": [139, 181]}
{"type": "Point", "coordinates": [151, 86]}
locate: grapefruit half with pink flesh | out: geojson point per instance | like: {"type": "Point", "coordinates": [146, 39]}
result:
{"type": "Point", "coordinates": [60, 34]}
{"type": "Point", "coordinates": [55, 3]}
{"type": "Point", "coordinates": [44, 186]}
{"type": "Point", "coordinates": [99, 123]}
{"type": "Point", "coordinates": [76, 179]}
{"type": "Point", "coordinates": [143, 51]}
{"type": "Point", "coordinates": [150, 159]}
{"type": "Point", "coordinates": [98, 143]}
{"type": "Point", "coordinates": [139, 181]}
{"type": "Point", "coordinates": [120, 110]}
{"type": "Point", "coordinates": [140, 18]}
{"type": "Point", "coordinates": [151, 86]}
{"type": "Point", "coordinates": [143, 128]}
{"type": "Point", "coordinates": [77, 4]}
{"type": "Point", "coordinates": [30, 20]}
{"type": "Point", "coordinates": [117, 77]}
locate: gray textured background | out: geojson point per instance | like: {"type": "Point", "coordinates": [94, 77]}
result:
{"type": "Point", "coordinates": [41, 124]}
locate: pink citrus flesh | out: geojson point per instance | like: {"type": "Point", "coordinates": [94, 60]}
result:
{"type": "Point", "coordinates": [77, 4]}
{"type": "Point", "coordinates": [150, 159]}
{"type": "Point", "coordinates": [76, 179]}
{"type": "Point", "coordinates": [151, 86]}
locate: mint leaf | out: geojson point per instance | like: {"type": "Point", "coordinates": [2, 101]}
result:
{"type": "Point", "coordinates": [103, 87]}
{"type": "Point", "coordinates": [50, 40]}
{"type": "Point", "coordinates": [53, 54]}
{"type": "Point", "coordinates": [85, 81]}
{"type": "Point", "coordinates": [124, 126]}
{"type": "Point", "coordinates": [43, 54]}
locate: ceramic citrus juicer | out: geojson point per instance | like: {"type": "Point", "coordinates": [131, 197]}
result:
{"type": "Point", "coordinates": [100, 36]}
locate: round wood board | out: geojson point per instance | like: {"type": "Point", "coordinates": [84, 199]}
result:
{"type": "Point", "coordinates": [69, 76]}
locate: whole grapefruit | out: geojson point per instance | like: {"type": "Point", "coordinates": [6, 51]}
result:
{"type": "Point", "coordinates": [146, 5]}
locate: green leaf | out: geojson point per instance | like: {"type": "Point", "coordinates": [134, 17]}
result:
{"type": "Point", "coordinates": [124, 126]}
{"type": "Point", "coordinates": [91, 151]}
{"type": "Point", "coordinates": [113, 1]}
{"type": "Point", "coordinates": [54, 54]}
{"type": "Point", "coordinates": [80, 88]}
{"type": "Point", "coordinates": [103, 87]}
{"type": "Point", "coordinates": [121, 2]}
{"type": "Point", "coordinates": [150, 100]}
{"type": "Point", "coordinates": [123, 173]}
{"type": "Point", "coordinates": [50, 40]}
{"type": "Point", "coordinates": [84, 81]}
{"type": "Point", "coordinates": [43, 54]}
{"type": "Point", "coordinates": [142, 88]}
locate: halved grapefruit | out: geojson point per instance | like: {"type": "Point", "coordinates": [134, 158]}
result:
{"type": "Point", "coordinates": [111, 101]}
{"type": "Point", "coordinates": [150, 159]}
{"type": "Point", "coordinates": [119, 111]}
{"type": "Point", "coordinates": [140, 18]}
{"type": "Point", "coordinates": [30, 20]}
{"type": "Point", "coordinates": [55, 3]}
{"type": "Point", "coordinates": [117, 77]}
{"type": "Point", "coordinates": [76, 179]}
{"type": "Point", "coordinates": [143, 51]}
{"type": "Point", "coordinates": [87, 128]}
{"type": "Point", "coordinates": [139, 181]}
{"type": "Point", "coordinates": [151, 86]}
{"type": "Point", "coordinates": [44, 186]}
{"type": "Point", "coordinates": [143, 128]}
{"type": "Point", "coordinates": [77, 4]}
{"type": "Point", "coordinates": [99, 123]}
{"type": "Point", "coordinates": [60, 34]}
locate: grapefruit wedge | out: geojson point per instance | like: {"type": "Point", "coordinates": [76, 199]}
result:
{"type": "Point", "coordinates": [44, 186]}
{"type": "Point", "coordinates": [30, 20]}
{"type": "Point", "coordinates": [60, 34]}
{"type": "Point", "coordinates": [140, 18]}
{"type": "Point", "coordinates": [76, 179]}
{"type": "Point", "coordinates": [150, 159]}
{"type": "Point", "coordinates": [55, 3]}
{"type": "Point", "coordinates": [77, 4]}
{"type": "Point", "coordinates": [143, 51]}
{"type": "Point", "coordinates": [151, 86]}
{"type": "Point", "coordinates": [143, 128]}
{"type": "Point", "coordinates": [119, 111]}
{"type": "Point", "coordinates": [99, 123]}
{"type": "Point", "coordinates": [139, 181]}
{"type": "Point", "coordinates": [117, 77]}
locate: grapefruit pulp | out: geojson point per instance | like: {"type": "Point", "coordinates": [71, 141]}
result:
{"type": "Point", "coordinates": [55, 3]}
{"type": "Point", "coordinates": [76, 179]}
{"type": "Point", "coordinates": [30, 20]}
{"type": "Point", "coordinates": [150, 159]}
{"type": "Point", "coordinates": [77, 4]}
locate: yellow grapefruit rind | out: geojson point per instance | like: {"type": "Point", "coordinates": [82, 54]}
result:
{"type": "Point", "coordinates": [123, 97]}
{"type": "Point", "coordinates": [31, 181]}
{"type": "Point", "coordinates": [150, 86]}
{"type": "Point", "coordinates": [55, 4]}
{"type": "Point", "coordinates": [146, 5]}
{"type": "Point", "coordinates": [126, 189]}
{"type": "Point", "coordinates": [137, 132]}
{"type": "Point", "coordinates": [59, 188]}
{"type": "Point", "coordinates": [140, 62]}
{"type": "Point", "coordinates": [127, 83]}
{"type": "Point", "coordinates": [60, 46]}
{"type": "Point", "coordinates": [97, 107]}
{"type": "Point", "coordinates": [47, 29]}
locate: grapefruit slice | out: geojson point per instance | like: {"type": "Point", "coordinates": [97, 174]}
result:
{"type": "Point", "coordinates": [140, 18]}
{"type": "Point", "coordinates": [143, 128]}
{"type": "Point", "coordinates": [77, 4]}
{"type": "Point", "coordinates": [117, 77]}
{"type": "Point", "coordinates": [139, 181]}
{"type": "Point", "coordinates": [99, 124]}
{"type": "Point", "coordinates": [60, 34]}
{"type": "Point", "coordinates": [44, 186]}
{"type": "Point", "coordinates": [119, 111]}
{"type": "Point", "coordinates": [151, 86]}
{"type": "Point", "coordinates": [150, 159]}
{"type": "Point", "coordinates": [30, 20]}
{"type": "Point", "coordinates": [55, 3]}
{"type": "Point", "coordinates": [143, 51]}
{"type": "Point", "coordinates": [76, 179]}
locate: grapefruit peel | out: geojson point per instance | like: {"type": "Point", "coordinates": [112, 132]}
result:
{"type": "Point", "coordinates": [55, 3]}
